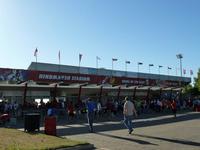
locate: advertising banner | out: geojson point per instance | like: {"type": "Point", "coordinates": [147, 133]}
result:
{"type": "Point", "coordinates": [13, 75]}
{"type": "Point", "coordinates": [17, 76]}
{"type": "Point", "coordinates": [68, 78]}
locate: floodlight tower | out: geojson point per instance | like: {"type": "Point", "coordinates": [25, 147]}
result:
{"type": "Point", "coordinates": [180, 56]}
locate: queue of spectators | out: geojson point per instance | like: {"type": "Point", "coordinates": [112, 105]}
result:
{"type": "Point", "coordinates": [105, 108]}
{"type": "Point", "coordinates": [9, 108]}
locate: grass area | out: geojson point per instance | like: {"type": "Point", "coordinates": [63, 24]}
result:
{"type": "Point", "coordinates": [12, 139]}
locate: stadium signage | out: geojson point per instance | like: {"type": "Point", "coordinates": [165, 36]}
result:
{"type": "Point", "coordinates": [68, 78]}
{"type": "Point", "coordinates": [18, 76]}
{"type": "Point", "coordinates": [42, 76]}
{"type": "Point", "coordinates": [142, 82]}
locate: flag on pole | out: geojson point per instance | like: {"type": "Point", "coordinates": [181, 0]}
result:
{"type": "Point", "coordinates": [191, 72]}
{"type": "Point", "coordinates": [59, 55]}
{"type": "Point", "coordinates": [98, 58]}
{"type": "Point", "coordinates": [80, 57]}
{"type": "Point", "coordinates": [128, 62]}
{"type": "Point", "coordinates": [35, 52]}
{"type": "Point", "coordinates": [114, 59]}
{"type": "Point", "coordinates": [184, 71]}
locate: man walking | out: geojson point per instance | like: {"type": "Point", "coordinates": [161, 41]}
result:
{"type": "Point", "coordinates": [90, 113]}
{"type": "Point", "coordinates": [128, 111]}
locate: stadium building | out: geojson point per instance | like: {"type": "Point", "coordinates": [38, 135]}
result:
{"type": "Point", "coordinates": [48, 81]}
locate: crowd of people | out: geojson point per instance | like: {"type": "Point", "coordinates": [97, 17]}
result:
{"type": "Point", "coordinates": [95, 109]}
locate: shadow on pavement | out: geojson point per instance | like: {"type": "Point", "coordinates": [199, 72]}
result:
{"type": "Point", "coordinates": [168, 120]}
{"type": "Point", "coordinates": [170, 140]}
{"type": "Point", "coordinates": [104, 126]}
{"type": "Point", "coordinates": [127, 139]}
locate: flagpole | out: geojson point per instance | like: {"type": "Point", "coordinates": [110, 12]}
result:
{"type": "Point", "coordinates": [126, 67]}
{"type": "Point", "coordinates": [112, 67]}
{"type": "Point", "coordinates": [79, 66]}
{"type": "Point", "coordinates": [149, 69]}
{"type": "Point", "coordinates": [36, 62]}
{"type": "Point", "coordinates": [112, 64]}
{"type": "Point", "coordinates": [113, 59]}
{"type": "Point", "coordinates": [138, 73]}
{"type": "Point", "coordinates": [59, 61]}
{"type": "Point", "coordinates": [59, 65]}
{"type": "Point", "coordinates": [35, 54]}
{"type": "Point", "coordinates": [97, 62]}
{"type": "Point", "coordinates": [80, 57]}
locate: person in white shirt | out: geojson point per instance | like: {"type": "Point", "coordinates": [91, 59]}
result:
{"type": "Point", "coordinates": [128, 111]}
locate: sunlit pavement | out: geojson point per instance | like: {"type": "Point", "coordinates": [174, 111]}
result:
{"type": "Point", "coordinates": [151, 133]}
{"type": "Point", "coordinates": [164, 132]}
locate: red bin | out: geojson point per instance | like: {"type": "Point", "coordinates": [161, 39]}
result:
{"type": "Point", "coordinates": [198, 108]}
{"type": "Point", "coordinates": [50, 125]}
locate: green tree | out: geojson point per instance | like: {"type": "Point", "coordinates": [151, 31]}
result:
{"type": "Point", "coordinates": [197, 81]}
{"type": "Point", "coordinates": [195, 89]}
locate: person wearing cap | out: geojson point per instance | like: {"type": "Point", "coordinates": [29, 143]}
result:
{"type": "Point", "coordinates": [90, 113]}
{"type": "Point", "coordinates": [128, 111]}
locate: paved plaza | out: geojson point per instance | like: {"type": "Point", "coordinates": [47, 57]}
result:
{"type": "Point", "coordinates": [164, 132]}
{"type": "Point", "coordinates": [152, 132]}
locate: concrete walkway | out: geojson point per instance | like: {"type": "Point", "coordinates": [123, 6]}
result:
{"type": "Point", "coordinates": [154, 132]}
{"type": "Point", "coordinates": [164, 132]}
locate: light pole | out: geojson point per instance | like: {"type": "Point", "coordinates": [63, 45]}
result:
{"type": "Point", "coordinates": [150, 65]}
{"type": "Point", "coordinates": [159, 73]}
{"type": "Point", "coordinates": [168, 68]}
{"type": "Point", "coordinates": [97, 63]}
{"type": "Point", "coordinates": [113, 59]}
{"type": "Point", "coordinates": [180, 56]}
{"type": "Point", "coordinates": [159, 69]}
{"type": "Point", "coordinates": [126, 62]}
{"type": "Point", "coordinates": [139, 63]}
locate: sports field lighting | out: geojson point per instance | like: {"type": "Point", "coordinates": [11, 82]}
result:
{"type": "Point", "coordinates": [126, 62]}
{"type": "Point", "coordinates": [168, 68]}
{"type": "Point", "coordinates": [113, 59]}
{"type": "Point", "coordinates": [150, 65]}
{"type": "Point", "coordinates": [180, 56]}
{"type": "Point", "coordinates": [139, 63]}
{"type": "Point", "coordinates": [159, 68]}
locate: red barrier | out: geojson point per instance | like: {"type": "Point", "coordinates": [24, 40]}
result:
{"type": "Point", "coordinates": [198, 108]}
{"type": "Point", "coordinates": [50, 126]}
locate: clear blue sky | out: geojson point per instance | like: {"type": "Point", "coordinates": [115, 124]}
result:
{"type": "Point", "coordinates": [148, 31]}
